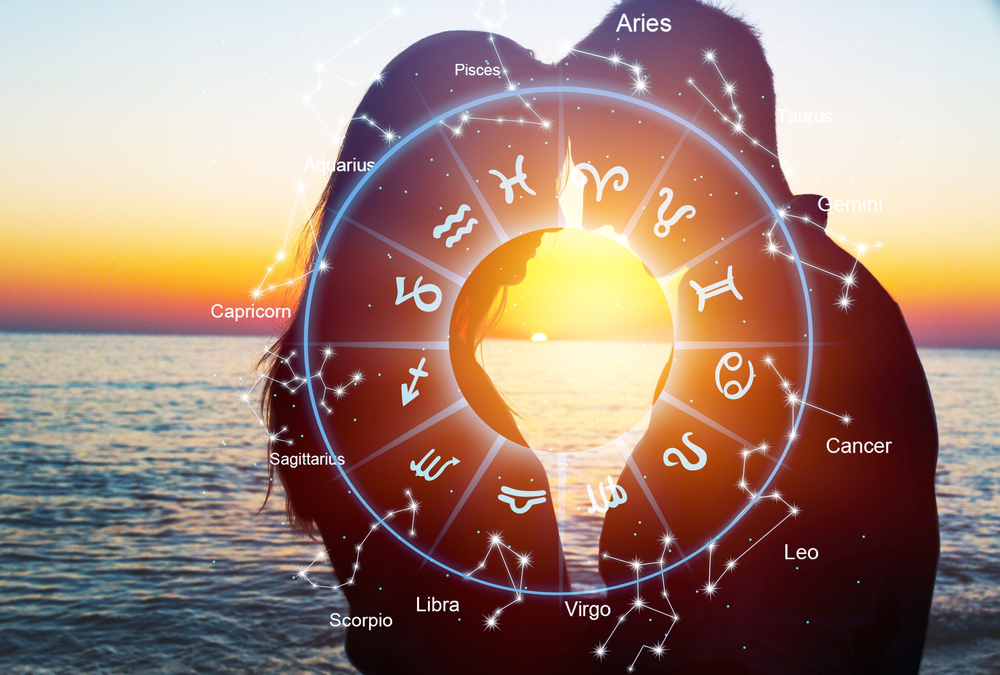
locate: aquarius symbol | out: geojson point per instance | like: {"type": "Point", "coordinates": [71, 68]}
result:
{"type": "Point", "coordinates": [411, 392]}
{"type": "Point", "coordinates": [507, 184]}
{"type": "Point", "coordinates": [418, 290]}
{"type": "Point", "coordinates": [533, 497]}
{"type": "Point", "coordinates": [690, 466]}
{"type": "Point", "coordinates": [740, 389]}
{"type": "Point", "coordinates": [618, 496]}
{"type": "Point", "coordinates": [662, 227]}
{"type": "Point", "coordinates": [451, 220]}
{"type": "Point", "coordinates": [715, 289]}
{"type": "Point", "coordinates": [619, 185]}
{"type": "Point", "coordinates": [425, 473]}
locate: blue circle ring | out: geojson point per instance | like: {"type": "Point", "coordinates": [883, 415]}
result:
{"type": "Point", "coordinates": [588, 92]}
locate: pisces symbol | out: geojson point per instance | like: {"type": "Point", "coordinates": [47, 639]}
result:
{"type": "Point", "coordinates": [619, 185]}
{"type": "Point", "coordinates": [618, 496]}
{"type": "Point", "coordinates": [507, 184]}
{"type": "Point", "coordinates": [690, 466]}
{"type": "Point", "coordinates": [509, 495]}
{"type": "Point", "coordinates": [451, 220]}
{"type": "Point", "coordinates": [662, 227]}
{"type": "Point", "coordinates": [425, 473]}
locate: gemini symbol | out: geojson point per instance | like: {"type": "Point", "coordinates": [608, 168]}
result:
{"type": "Point", "coordinates": [718, 288]}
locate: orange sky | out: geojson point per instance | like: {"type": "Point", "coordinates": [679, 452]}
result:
{"type": "Point", "coordinates": [151, 155]}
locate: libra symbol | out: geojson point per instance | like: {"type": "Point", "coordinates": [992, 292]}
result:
{"type": "Point", "coordinates": [718, 288]}
{"type": "Point", "coordinates": [511, 494]}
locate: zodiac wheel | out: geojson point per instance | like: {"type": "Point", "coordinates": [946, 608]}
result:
{"type": "Point", "coordinates": [395, 259]}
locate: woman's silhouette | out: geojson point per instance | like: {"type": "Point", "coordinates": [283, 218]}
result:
{"type": "Point", "coordinates": [780, 622]}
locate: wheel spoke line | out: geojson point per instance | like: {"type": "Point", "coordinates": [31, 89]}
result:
{"type": "Point", "coordinates": [715, 249]}
{"type": "Point", "coordinates": [683, 345]}
{"type": "Point", "coordinates": [443, 271]}
{"type": "Point", "coordinates": [494, 450]}
{"type": "Point", "coordinates": [435, 345]}
{"type": "Point", "coordinates": [623, 449]}
{"type": "Point", "coordinates": [685, 408]}
{"type": "Point", "coordinates": [483, 204]}
{"type": "Point", "coordinates": [627, 233]}
{"type": "Point", "coordinates": [426, 424]}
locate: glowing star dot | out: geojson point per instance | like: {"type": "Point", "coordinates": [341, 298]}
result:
{"type": "Point", "coordinates": [730, 565]}
{"type": "Point", "coordinates": [794, 510]}
{"type": "Point", "coordinates": [845, 301]}
{"type": "Point", "coordinates": [710, 589]}
{"type": "Point", "coordinates": [600, 651]}
{"type": "Point", "coordinates": [710, 56]}
{"type": "Point", "coordinates": [846, 420]}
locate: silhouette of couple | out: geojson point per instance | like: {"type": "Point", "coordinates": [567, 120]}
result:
{"type": "Point", "coordinates": [860, 606]}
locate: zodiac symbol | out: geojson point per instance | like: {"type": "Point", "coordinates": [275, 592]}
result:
{"type": "Point", "coordinates": [618, 496]}
{"type": "Point", "coordinates": [715, 289]}
{"type": "Point", "coordinates": [418, 290]}
{"type": "Point", "coordinates": [411, 392]}
{"type": "Point", "coordinates": [507, 184]}
{"type": "Point", "coordinates": [533, 497]}
{"type": "Point", "coordinates": [451, 220]}
{"type": "Point", "coordinates": [424, 473]}
{"type": "Point", "coordinates": [740, 389]}
{"type": "Point", "coordinates": [674, 452]}
{"type": "Point", "coordinates": [662, 227]}
{"type": "Point", "coordinates": [619, 185]}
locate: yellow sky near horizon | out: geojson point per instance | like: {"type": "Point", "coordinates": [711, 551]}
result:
{"type": "Point", "coordinates": [151, 155]}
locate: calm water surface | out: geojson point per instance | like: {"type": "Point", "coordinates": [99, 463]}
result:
{"type": "Point", "coordinates": [130, 474]}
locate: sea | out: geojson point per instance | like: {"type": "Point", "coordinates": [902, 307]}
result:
{"type": "Point", "coordinates": [132, 538]}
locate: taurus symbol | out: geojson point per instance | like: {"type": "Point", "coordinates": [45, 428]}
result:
{"type": "Point", "coordinates": [662, 227]}
{"type": "Point", "coordinates": [618, 496]}
{"type": "Point", "coordinates": [507, 184]}
{"type": "Point", "coordinates": [425, 473]}
{"type": "Point", "coordinates": [534, 497]}
{"type": "Point", "coordinates": [619, 185]}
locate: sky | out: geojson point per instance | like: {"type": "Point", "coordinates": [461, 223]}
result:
{"type": "Point", "coordinates": [155, 157]}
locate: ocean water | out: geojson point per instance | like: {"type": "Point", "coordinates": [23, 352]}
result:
{"type": "Point", "coordinates": [131, 474]}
